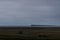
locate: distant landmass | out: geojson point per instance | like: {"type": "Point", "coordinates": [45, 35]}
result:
{"type": "Point", "coordinates": [44, 26]}
{"type": "Point", "coordinates": [33, 26]}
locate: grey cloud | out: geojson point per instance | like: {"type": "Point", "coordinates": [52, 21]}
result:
{"type": "Point", "coordinates": [29, 12]}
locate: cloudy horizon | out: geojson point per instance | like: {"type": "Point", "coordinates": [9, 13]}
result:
{"type": "Point", "coordinates": [27, 12]}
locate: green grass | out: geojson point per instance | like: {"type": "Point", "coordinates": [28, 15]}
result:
{"type": "Point", "coordinates": [32, 34]}
{"type": "Point", "coordinates": [14, 37]}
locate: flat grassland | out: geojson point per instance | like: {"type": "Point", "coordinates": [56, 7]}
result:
{"type": "Point", "coordinates": [35, 33]}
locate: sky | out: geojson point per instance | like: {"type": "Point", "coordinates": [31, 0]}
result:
{"type": "Point", "coordinates": [27, 12]}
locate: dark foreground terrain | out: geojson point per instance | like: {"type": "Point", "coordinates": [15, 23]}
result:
{"type": "Point", "coordinates": [32, 33]}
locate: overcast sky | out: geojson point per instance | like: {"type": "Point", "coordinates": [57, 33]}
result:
{"type": "Point", "coordinates": [26, 12]}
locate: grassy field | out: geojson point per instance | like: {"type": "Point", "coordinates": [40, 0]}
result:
{"type": "Point", "coordinates": [32, 33]}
